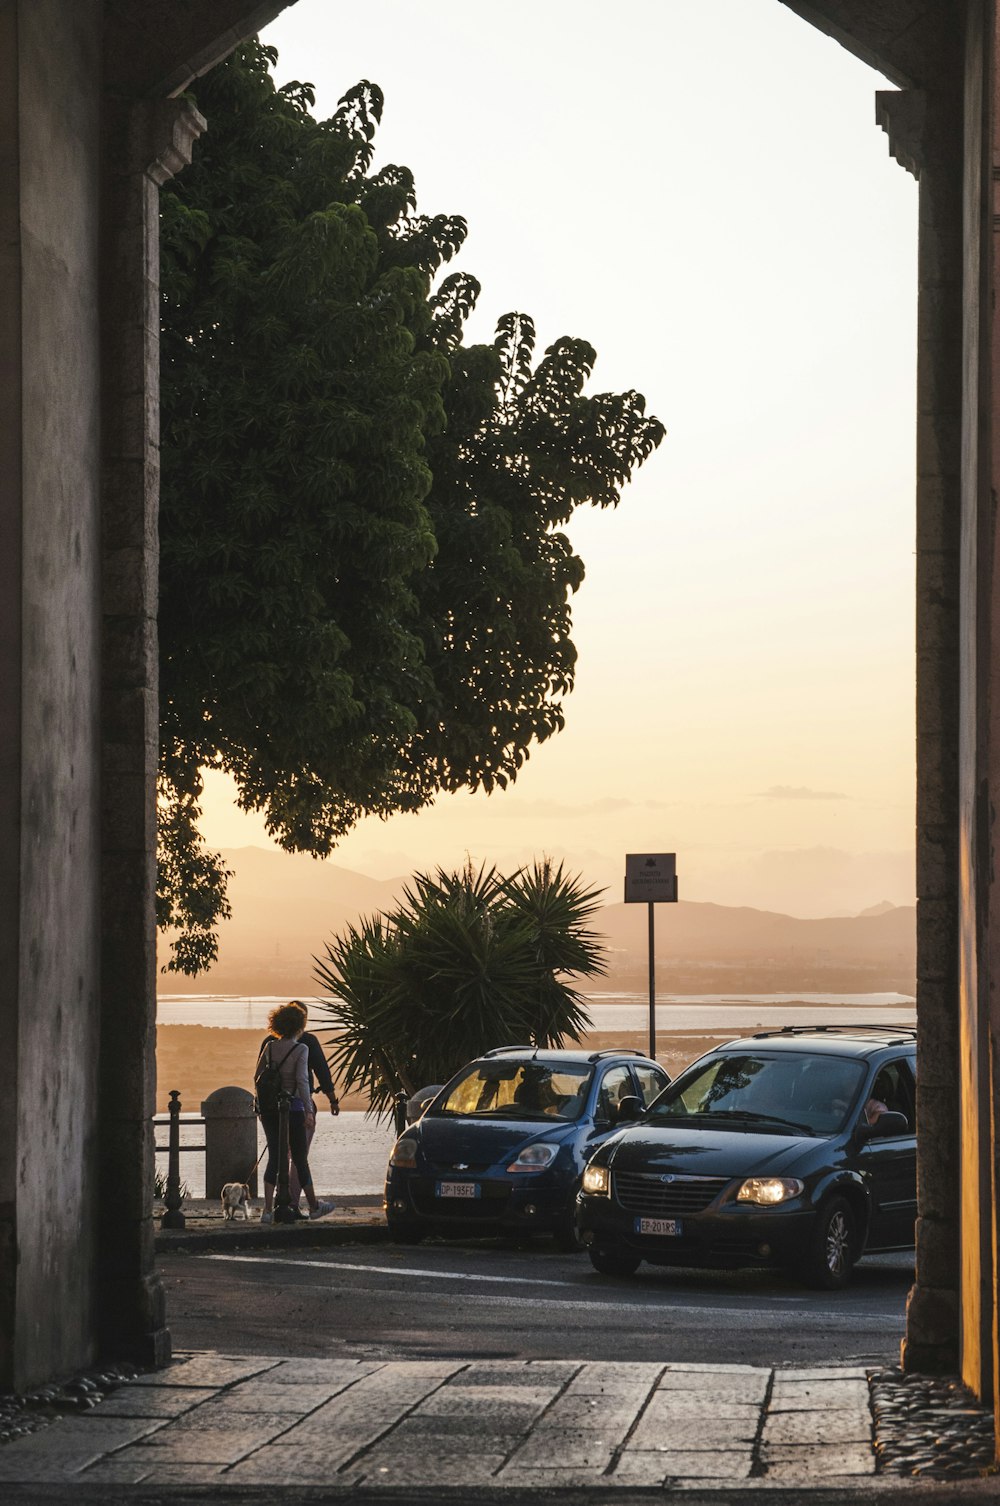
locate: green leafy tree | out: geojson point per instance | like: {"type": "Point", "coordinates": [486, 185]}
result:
{"type": "Point", "coordinates": [468, 961]}
{"type": "Point", "coordinates": [364, 580]}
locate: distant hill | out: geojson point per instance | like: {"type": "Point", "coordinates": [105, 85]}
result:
{"type": "Point", "coordinates": [286, 905]}
{"type": "Point", "coordinates": [705, 948]}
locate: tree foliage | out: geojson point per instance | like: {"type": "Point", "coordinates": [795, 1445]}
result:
{"type": "Point", "coordinates": [469, 961]}
{"type": "Point", "coordinates": [364, 579]}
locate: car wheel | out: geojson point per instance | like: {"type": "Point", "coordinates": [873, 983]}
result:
{"type": "Point", "coordinates": [565, 1234]}
{"type": "Point", "coordinates": [613, 1260]}
{"type": "Point", "coordinates": [406, 1234]}
{"type": "Point", "coordinates": [832, 1248]}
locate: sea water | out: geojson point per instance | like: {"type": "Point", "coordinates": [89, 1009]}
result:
{"type": "Point", "coordinates": [350, 1150]}
{"type": "Point", "coordinates": [606, 1011]}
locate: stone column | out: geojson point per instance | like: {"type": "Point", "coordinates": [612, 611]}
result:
{"type": "Point", "coordinates": [991, 684]}
{"type": "Point", "coordinates": [925, 134]}
{"type": "Point", "coordinates": [978, 746]}
{"type": "Point", "coordinates": [144, 144]}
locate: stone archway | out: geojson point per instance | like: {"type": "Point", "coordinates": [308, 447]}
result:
{"type": "Point", "coordinates": [88, 121]}
{"type": "Point", "coordinates": [942, 127]}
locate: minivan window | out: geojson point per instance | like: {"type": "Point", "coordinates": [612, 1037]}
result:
{"type": "Point", "coordinates": [793, 1091]}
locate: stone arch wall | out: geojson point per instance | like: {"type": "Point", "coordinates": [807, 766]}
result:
{"type": "Point", "coordinates": [78, 464]}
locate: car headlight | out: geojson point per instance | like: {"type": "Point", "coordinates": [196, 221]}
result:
{"type": "Point", "coordinates": [597, 1181]}
{"type": "Point", "coordinates": [766, 1191]}
{"type": "Point", "coordinates": [404, 1153]}
{"type": "Point", "coordinates": [534, 1158]}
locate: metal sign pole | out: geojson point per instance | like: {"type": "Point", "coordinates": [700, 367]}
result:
{"type": "Point", "coordinates": [652, 986]}
{"type": "Point", "coordinates": [651, 879]}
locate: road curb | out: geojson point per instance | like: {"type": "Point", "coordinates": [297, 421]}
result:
{"type": "Point", "coordinates": [296, 1237]}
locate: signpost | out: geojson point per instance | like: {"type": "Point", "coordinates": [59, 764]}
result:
{"type": "Point", "coordinates": [651, 879]}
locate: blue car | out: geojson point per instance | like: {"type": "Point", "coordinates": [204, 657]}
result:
{"type": "Point", "coordinates": [503, 1146]}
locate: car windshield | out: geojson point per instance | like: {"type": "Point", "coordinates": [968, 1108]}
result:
{"type": "Point", "coordinates": [790, 1091]}
{"type": "Point", "coordinates": [518, 1090]}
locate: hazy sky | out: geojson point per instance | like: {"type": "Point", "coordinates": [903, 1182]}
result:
{"type": "Point", "coordinates": [699, 189]}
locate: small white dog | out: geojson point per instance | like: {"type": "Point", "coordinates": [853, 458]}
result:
{"type": "Point", "coordinates": [236, 1197]}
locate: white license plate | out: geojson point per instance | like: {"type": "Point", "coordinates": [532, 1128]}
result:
{"type": "Point", "coordinates": [670, 1227]}
{"type": "Point", "coordinates": [458, 1189]}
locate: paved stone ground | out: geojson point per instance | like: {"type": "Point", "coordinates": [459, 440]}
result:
{"type": "Point", "coordinates": [219, 1420]}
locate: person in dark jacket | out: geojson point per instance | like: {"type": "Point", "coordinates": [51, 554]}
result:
{"type": "Point", "coordinates": [286, 1026]}
{"type": "Point", "coordinates": [320, 1081]}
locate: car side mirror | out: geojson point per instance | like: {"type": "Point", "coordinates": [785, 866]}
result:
{"type": "Point", "coordinates": [630, 1108]}
{"type": "Point", "coordinates": [885, 1126]}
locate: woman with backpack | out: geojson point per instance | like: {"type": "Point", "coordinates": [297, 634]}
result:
{"type": "Point", "coordinates": [284, 1064]}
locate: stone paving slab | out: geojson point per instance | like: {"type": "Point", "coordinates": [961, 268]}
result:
{"type": "Point", "coordinates": [518, 1373]}
{"type": "Point", "coordinates": [185, 1474]}
{"type": "Point", "coordinates": [749, 1389]}
{"type": "Point", "coordinates": [444, 1469]}
{"type": "Point", "coordinates": [116, 1472]}
{"type": "Point", "coordinates": [681, 1408]}
{"type": "Point", "coordinates": [594, 1412]}
{"type": "Point", "coordinates": [461, 1429]}
{"type": "Point", "coordinates": [679, 1366]}
{"type": "Point", "coordinates": [221, 1421]}
{"type": "Point", "coordinates": [609, 1375]}
{"type": "Point", "coordinates": [412, 1435]}
{"type": "Point", "coordinates": [488, 1401]}
{"type": "Point", "coordinates": [817, 1463]}
{"type": "Point", "coordinates": [808, 1395]}
{"type": "Point", "coordinates": [208, 1369]}
{"type": "Point", "coordinates": [825, 1373]}
{"type": "Point", "coordinates": [640, 1467]}
{"type": "Point", "coordinates": [155, 1401]}
{"type": "Point", "coordinates": [335, 1373]}
{"type": "Point", "coordinates": [835, 1426]}
{"type": "Point", "coordinates": [70, 1445]}
{"type": "Point", "coordinates": [258, 1395]}
{"type": "Point", "coordinates": [571, 1448]}
{"type": "Point", "coordinates": [222, 1446]}
{"type": "Point", "coordinates": [697, 1435]}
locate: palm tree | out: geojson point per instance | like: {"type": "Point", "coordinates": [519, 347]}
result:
{"type": "Point", "coordinates": [468, 961]}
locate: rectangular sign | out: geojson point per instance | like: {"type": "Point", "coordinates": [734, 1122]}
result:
{"type": "Point", "coordinates": [457, 1189]}
{"type": "Point", "coordinates": [650, 878]}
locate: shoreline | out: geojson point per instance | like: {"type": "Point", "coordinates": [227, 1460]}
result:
{"type": "Point", "coordinates": [197, 1059]}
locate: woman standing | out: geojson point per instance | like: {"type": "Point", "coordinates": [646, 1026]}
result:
{"type": "Point", "coordinates": [286, 1052]}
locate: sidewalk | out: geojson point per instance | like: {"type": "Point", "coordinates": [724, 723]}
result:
{"type": "Point", "coordinates": [356, 1219]}
{"type": "Point", "coordinates": [214, 1426]}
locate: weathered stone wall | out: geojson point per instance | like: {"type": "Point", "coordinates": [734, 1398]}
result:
{"type": "Point", "coordinates": [49, 669]}
{"type": "Point", "coordinates": [86, 133]}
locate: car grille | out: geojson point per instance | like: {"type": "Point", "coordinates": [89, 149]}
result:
{"type": "Point", "coordinates": [647, 1193]}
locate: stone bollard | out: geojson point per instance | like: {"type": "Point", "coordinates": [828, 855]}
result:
{"type": "Point", "coordinates": [230, 1140]}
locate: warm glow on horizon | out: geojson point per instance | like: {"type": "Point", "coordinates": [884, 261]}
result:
{"type": "Point", "coordinates": [700, 190]}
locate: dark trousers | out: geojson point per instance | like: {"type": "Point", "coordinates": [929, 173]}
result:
{"type": "Point", "coordinates": [297, 1145]}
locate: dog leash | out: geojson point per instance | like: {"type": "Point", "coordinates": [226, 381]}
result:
{"type": "Point", "coordinates": [256, 1163]}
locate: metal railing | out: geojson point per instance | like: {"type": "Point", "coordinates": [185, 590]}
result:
{"type": "Point", "coordinates": [173, 1217]}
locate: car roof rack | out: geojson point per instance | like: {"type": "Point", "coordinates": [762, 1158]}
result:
{"type": "Point", "coordinates": [899, 1034]}
{"type": "Point", "coordinates": [595, 1056]}
{"type": "Point", "coordinates": [499, 1050]}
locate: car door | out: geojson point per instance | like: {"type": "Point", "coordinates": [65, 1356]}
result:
{"type": "Point", "coordinates": [889, 1163]}
{"type": "Point", "coordinates": [614, 1084]}
{"type": "Point", "coordinates": [650, 1082]}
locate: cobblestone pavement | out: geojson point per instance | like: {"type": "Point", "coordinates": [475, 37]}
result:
{"type": "Point", "coordinates": [221, 1420]}
{"type": "Point", "coordinates": [930, 1427]}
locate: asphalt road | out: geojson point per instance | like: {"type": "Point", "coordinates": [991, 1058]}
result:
{"type": "Point", "coordinates": [481, 1299]}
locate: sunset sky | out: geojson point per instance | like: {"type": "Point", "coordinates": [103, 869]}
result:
{"type": "Point", "coordinates": [697, 187]}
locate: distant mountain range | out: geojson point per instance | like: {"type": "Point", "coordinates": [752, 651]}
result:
{"type": "Point", "coordinates": [285, 906]}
